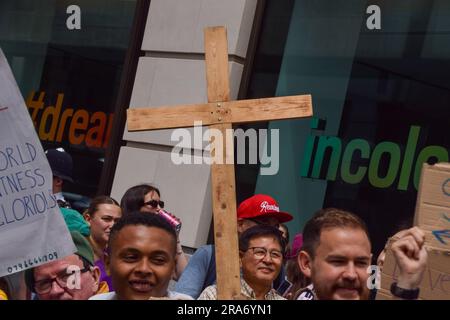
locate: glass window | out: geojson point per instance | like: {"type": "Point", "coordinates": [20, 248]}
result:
{"type": "Point", "coordinates": [381, 106]}
{"type": "Point", "coordinates": [67, 58]}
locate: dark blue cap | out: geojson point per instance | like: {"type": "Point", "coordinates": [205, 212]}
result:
{"type": "Point", "coordinates": [61, 163]}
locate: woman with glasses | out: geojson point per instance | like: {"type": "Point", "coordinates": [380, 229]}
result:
{"type": "Point", "coordinates": [147, 199]}
{"type": "Point", "coordinates": [102, 214]}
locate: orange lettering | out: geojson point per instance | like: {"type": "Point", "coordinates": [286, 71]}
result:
{"type": "Point", "coordinates": [97, 131]}
{"type": "Point", "coordinates": [77, 125]}
{"type": "Point", "coordinates": [62, 125]}
{"type": "Point", "coordinates": [93, 130]}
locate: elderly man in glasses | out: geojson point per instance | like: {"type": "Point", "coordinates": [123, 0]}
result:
{"type": "Point", "coordinates": [70, 278]}
{"type": "Point", "coordinates": [200, 272]}
{"type": "Point", "coordinates": [261, 256]}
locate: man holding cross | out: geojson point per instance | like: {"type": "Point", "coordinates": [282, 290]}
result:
{"type": "Point", "coordinates": [220, 114]}
{"type": "Point", "coordinates": [201, 269]}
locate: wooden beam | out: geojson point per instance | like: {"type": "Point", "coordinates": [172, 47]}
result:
{"type": "Point", "coordinates": [241, 111]}
{"type": "Point", "coordinates": [169, 117]}
{"type": "Point", "coordinates": [216, 59]}
{"type": "Point", "coordinates": [222, 176]}
{"type": "Point", "coordinates": [225, 223]}
{"type": "Point", "coordinates": [267, 109]}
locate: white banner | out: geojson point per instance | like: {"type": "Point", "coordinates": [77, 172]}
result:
{"type": "Point", "coordinates": [32, 229]}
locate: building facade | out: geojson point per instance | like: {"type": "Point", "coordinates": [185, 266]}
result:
{"type": "Point", "coordinates": [376, 72]}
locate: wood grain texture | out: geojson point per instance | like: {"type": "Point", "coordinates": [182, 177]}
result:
{"type": "Point", "coordinates": [169, 117]}
{"type": "Point", "coordinates": [222, 175]}
{"type": "Point", "coordinates": [216, 59]}
{"type": "Point", "coordinates": [225, 224]}
{"type": "Point", "coordinates": [240, 111]}
{"type": "Point", "coordinates": [266, 109]}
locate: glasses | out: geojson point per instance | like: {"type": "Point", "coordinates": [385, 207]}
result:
{"type": "Point", "coordinates": [155, 203]}
{"type": "Point", "coordinates": [45, 286]}
{"type": "Point", "coordinates": [260, 253]}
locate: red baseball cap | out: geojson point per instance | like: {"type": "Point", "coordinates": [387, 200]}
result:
{"type": "Point", "coordinates": [261, 205]}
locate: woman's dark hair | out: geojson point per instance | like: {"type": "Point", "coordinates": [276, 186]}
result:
{"type": "Point", "coordinates": [287, 245]}
{"type": "Point", "coordinates": [133, 199]}
{"type": "Point", "coordinates": [296, 277]}
{"type": "Point", "coordinates": [97, 201]}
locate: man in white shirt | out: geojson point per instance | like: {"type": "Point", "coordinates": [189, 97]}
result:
{"type": "Point", "coordinates": [141, 259]}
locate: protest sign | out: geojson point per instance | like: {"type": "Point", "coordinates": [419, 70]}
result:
{"type": "Point", "coordinates": [32, 229]}
{"type": "Point", "coordinates": [435, 284]}
{"type": "Point", "coordinates": [433, 217]}
{"type": "Point", "coordinates": [433, 205]}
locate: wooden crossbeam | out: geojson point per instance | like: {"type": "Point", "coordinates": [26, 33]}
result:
{"type": "Point", "coordinates": [240, 111]}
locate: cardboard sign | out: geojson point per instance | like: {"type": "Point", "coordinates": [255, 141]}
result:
{"type": "Point", "coordinates": [32, 229]}
{"type": "Point", "coordinates": [433, 205]}
{"type": "Point", "coordinates": [433, 217]}
{"type": "Point", "coordinates": [435, 284]}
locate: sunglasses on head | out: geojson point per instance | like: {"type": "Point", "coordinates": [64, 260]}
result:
{"type": "Point", "coordinates": [155, 203]}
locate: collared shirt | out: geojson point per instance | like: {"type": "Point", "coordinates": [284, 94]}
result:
{"type": "Point", "coordinates": [307, 293]}
{"type": "Point", "coordinates": [103, 287]}
{"type": "Point", "coordinates": [210, 293]}
{"type": "Point", "coordinates": [62, 203]}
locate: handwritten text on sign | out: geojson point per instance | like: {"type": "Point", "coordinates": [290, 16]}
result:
{"type": "Point", "coordinates": [32, 229]}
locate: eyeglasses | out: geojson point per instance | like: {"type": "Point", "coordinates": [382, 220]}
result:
{"type": "Point", "coordinates": [260, 253]}
{"type": "Point", "coordinates": [45, 286]}
{"type": "Point", "coordinates": [155, 203]}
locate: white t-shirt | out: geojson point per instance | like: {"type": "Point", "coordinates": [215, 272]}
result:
{"type": "Point", "coordinates": [171, 295]}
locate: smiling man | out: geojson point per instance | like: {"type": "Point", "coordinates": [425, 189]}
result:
{"type": "Point", "coordinates": [261, 256]}
{"type": "Point", "coordinates": [337, 252]}
{"type": "Point", "coordinates": [141, 259]}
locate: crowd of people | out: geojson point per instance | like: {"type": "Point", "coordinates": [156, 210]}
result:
{"type": "Point", "coordinates": [129, 251]}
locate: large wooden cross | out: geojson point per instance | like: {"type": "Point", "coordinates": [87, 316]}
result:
{"type": "Point", "coordinates": [220, 113]}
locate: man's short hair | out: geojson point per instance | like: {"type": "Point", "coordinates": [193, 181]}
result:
{"type": "Point", "coordinates": [260, 231]}
{"type": "Point", "coordinates": [326, 219]}
{"type": "Point", "coordinates": [138, 218]}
